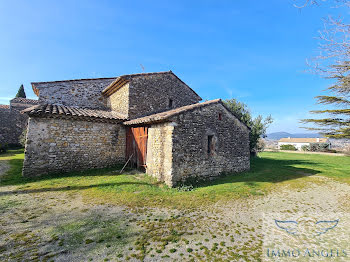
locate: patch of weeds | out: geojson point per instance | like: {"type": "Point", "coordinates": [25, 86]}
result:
{"type": "Point", "coordinates": [189, 250]}
{"type": "Point", "coordinates": [185, 188]}
{"type": "Point", "coordinates": [88, 241]}
{"type": "Point", "coordinates": [94, 229]}
{"type": "Point", "coordinates": [2, 249]}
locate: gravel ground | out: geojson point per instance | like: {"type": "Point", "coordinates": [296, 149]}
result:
{"type": "Point", "coordinates": [61, 226]}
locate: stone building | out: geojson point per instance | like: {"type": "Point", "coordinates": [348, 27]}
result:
{"type": "Point", "coordinates": [12, 122]}
{"type": "Point", "coordinates": [153, 121]}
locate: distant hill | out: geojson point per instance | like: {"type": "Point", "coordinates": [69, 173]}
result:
{"type": "Point", "coordinates": [279, 135]}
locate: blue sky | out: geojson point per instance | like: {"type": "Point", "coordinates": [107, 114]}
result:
{"type": "Point", "coordinates": [254, 51]}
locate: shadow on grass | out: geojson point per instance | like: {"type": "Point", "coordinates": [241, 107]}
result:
{"type": "Point", "coordinates": [262, 170]}
{"type": "Point", "coordinates": [69, 188]}
{"type": "Point", "coordinates": [267, 170]}
{"type": "Point", "coordinates": [13, 176]}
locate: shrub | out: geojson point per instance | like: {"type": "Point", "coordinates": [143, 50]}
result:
{"type": "Point", "coordinates": [288, 147]}
{"type": "Point", "coordinates": [260, 145]}
{"type": "Point", "coordinates": [319, 147]}
{"type": "Point", "coordinates": [305, 148]}
{"type": "Point", "coordinates": [3, 148]}
{"type": "Point", "coordinates": [23, 137]}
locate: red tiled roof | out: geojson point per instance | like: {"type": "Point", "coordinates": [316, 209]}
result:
{"type": "Point", "coordinates": [303, 140]}
{"type": "Point", "coordinates": [72, 80]}
{"type": "Point", "coordinates": [24, 100]}
{"type": "Point", "coordinates": [164, 116]}
{"type": "Point", "coordinates": [67, 111]}
{"type": "Point", "coordinates": [159, 117]}
{"type": "Point", "coordinates": [4, 106]}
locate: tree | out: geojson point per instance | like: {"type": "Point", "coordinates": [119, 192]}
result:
{"type": "Point", "coordinates": [334, 63]}
{"type": "Point", "coordinates": [21, 92]}
{"type": "Point", "coordinates": [257, 125]}
{"type": "Point", "coordinates": [336, 124]}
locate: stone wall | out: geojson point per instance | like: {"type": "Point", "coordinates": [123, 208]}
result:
{"type": "Point", "coordinates": [159, 152]}
{"type": "Point", "coordinates": [150, 94]}
{"type": "Point", "coordinates": [119, 101]}
{"type": "Point", "coordinates": [191, 160]}
{"type": "Point", "coordinates": [9, 132]}
{"type": "Point", "coordinates": [79, 93]}
{"type": "Point", "coordinates": [62, 145]}
{"type": "Point", "coordinates": [12, 122]}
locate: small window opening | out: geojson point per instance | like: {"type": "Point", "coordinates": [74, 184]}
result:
{"type": "Point", "coordinates": [220, 116]}
{"type": "Point", "coordinates": [170, 105]}
{"type": "Point", "coordinates": [210, 144]}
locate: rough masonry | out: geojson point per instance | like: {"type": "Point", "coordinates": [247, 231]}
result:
{"type": "Point", "coordinates": [153, 120]}
{"type": "Point", "coordinates": [13, 123]}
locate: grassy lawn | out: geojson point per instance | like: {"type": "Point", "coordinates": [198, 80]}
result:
{"type": "Point", "coordinates": [108, 186]}
{"type": "Point", "coordinates": [101, 215]}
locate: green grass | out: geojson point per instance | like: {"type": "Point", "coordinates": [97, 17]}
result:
{"type": "Point", "coordinates": [105, 186]}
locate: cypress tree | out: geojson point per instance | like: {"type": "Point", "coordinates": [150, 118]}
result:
{"type": "Point", "coordinates": [336, 123]}
{"type": "Point", "coordinates": [21, 92]}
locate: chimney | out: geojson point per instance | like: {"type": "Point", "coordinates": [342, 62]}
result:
{"type": "Point", "coordinates": [318, 140]}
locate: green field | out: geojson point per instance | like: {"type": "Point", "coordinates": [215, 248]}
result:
{"type": "Point", "coordinates": [107, 185]}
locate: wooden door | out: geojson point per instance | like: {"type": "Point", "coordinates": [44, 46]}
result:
{"type": "Point", "coordinates": [136, 145]}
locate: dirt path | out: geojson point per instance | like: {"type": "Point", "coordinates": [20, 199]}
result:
{"type": "Point", "coordinates": [60, 226]}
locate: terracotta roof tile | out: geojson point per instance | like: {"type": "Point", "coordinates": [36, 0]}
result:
{"type": "Point", "coordinates": [159, 117]}
{"type": "Point", "coordinates": [4, 106]}
{"type": "Point", "coordinates": [24, 100]}
{"type": "Point", "coordinates": [303, 140]}
{"type": "Point", "coordinates": [59, 110]}
{"type": "Point", "coordinates": [73, 80]}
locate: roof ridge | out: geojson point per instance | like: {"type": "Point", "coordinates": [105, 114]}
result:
{"type": "Point", "coordinates": [100, 78]}
{"type": "Point", "coordinates": [169, 113]}
{"type": "Point", "coordinates": [24, 99]}
{"type": "Point", "coordinates": [123, 78]}
{"type": "Point", "coordinates": [4, 106]}
{"type": "Point", "coordinates": [149, 73]}
{"type": "Point", "coordinates": [173, 112]}
{"type": "Point", "coordinates": [71, 80]}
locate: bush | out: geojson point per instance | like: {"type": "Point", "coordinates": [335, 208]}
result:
{"type": "Point", "coordinates": [23, 137]}
{"type": "Point", "coordinates": [288, 147]}
{"type": "Point", "coordinates": [305, 148]}
{"type": "Point", "coordinates": [260, 145]}
{"type": "Point", "coordinates": [319, 147]}
{"type": "Point", "coordinates": [3, 148]}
